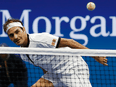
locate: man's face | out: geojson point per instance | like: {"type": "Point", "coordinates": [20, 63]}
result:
{"type": "Point", "coordinates": [18, 35]}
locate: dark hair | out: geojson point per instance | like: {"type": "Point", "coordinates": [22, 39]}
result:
{"type": "Point", "coordinates": [10, 21]}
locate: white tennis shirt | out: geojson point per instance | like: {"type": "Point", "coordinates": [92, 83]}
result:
{"type": "Point", "coordinates": [58, 67]}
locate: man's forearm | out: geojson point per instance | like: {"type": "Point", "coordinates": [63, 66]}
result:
{"type": "Point", "coordinates": [71, 43]}
{"type": "Point", "coordinates": [75, 45]}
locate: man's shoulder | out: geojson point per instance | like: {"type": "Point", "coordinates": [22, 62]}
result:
{"type": "Point", "coordinates": [38, 36]}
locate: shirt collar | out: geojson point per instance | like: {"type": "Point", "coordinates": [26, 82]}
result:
{"type": "Point", "coordinates": [27, 41]}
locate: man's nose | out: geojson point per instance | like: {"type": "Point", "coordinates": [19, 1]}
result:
{"type": "Point", "coordinates": [15, 36]}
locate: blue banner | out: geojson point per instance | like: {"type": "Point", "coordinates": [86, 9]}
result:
{"type": "Point", "coordinates": [64, 18]}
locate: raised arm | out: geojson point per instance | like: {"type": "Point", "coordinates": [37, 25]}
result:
{"type": "Point", "coordinates": [75, 45]}
{"type": "Point", "coordinates": [71, 43]}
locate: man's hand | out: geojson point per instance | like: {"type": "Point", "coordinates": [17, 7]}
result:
{"type": "Point", "coordinates": [101, 60]}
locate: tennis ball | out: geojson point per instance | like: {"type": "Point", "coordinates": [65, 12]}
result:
{"type": "Point", "coordinates": [91, 6]}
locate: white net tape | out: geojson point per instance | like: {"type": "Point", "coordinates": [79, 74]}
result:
{"type": "Point", "coordinates": [58, 51]}
{"type": "Point", "coordinates": [100, 76]}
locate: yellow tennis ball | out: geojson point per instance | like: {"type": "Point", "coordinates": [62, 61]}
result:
{"type": "Point", "coordinates": [91, 6]}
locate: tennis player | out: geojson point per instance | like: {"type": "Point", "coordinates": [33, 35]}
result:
{"type": "Point", "coordinates": [60, 71]}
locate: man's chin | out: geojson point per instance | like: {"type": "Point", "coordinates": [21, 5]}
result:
{"type": "Point", "coordinates": [19, 44]}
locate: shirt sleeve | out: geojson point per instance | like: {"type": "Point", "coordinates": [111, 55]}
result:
{"type": "Point", "coordinates": [45, 40]}
{"type": "Point", "coordinates": [51, 39]}
{"type": "Point", "coordinates": [58, 42]}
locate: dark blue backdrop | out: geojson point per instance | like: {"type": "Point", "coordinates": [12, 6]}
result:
{"type": "Point", "coordinates": [64, 18]}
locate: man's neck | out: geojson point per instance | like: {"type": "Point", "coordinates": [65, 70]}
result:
{"type": "Point", "coordinates": [27, 42]}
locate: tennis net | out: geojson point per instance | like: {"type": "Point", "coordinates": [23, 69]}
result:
{"type": "Point", "coordinates": [100, 75]}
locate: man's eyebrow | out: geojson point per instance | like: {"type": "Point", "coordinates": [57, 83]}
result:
{"type": "Point", "coordinates": [16, 30]}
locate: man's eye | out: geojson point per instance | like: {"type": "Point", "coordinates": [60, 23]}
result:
{"type": "Point", "coordinates": [17, 32]}
{"type": "Point", "coordinates": [11, 35]}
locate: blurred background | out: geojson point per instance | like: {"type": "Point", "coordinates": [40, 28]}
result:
{"type": "Point", "coordinates": [64, 18]}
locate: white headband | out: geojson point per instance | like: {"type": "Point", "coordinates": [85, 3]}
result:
{"type": "Point", "coordinates": [13, 24]}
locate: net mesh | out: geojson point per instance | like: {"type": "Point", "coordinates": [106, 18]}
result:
{"type": "Point", "coordinates": [100, 75]}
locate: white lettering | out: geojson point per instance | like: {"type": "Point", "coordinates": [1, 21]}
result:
{"type": "Point", "coordinates": [75, 27]}
{"type": "Point", "coordinates": [25, 16]}
{"type": "Point", "coordinates": [83, 25]}
{"type": "Point", "coordinates": [113, 26]}
{"type": "Point", "coordinates": [58, 24]}
{"type": "Point", "coordinates": [35, 24]}
{"type": "Point", "coordinates": [5, 15]}
{"type": "Point", "coordinates": [102, 25]}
